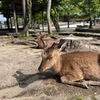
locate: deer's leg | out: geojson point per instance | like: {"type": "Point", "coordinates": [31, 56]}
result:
{"type": "Point", "coordinates": [80, 83]}
{"type": "Point", "coordinates": [70, 80]}
{"type": "Point", "coordinates": [93, 83]}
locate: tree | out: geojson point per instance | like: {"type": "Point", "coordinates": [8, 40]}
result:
{"type": "Point", "coordinates": [29, 9]}
{"type": "Point", "coordinates": [66, 10]}
{"type": "Point", "coordinates": [54, 12]}
{"type": "Point", "coordinates": [88, 7]}
{"type": "Point", "coordinates": [48, 16]}
{"type": "Point", "coordinates": [55, 18]}
{"type": "Point", "coordinates": [24, 12]}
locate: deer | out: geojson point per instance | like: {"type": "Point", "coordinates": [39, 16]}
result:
{"type": "Point", "coordinates": [77, 68]}
{"type": "Point", "coordinates": [44, 43]}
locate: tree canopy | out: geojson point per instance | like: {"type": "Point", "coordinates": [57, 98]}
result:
{"type": "Point", "coordinates": [89, 9]}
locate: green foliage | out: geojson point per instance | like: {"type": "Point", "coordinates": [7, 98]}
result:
{"type": "Point", "coordinates": [38, 16]}
{"type": "Point", "coordinates": [67, 8]}
{"type": "Point", "coordinates": [0, 4]}
{"type": "Point", "coordinates": [3, 5]}
{"type": "Point", "coordinates": [42, 1]}
{"type": "Point", "coordinates": [29, 8]}
{"type": "Point", "coordinates": [89, 7]}
{"type": "Point", "coordinates": [79, 8]}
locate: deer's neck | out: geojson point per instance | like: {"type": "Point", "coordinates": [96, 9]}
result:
{"type": "Point", "coordinates": [57, 65]}
{"type": "Point", "coordinates": [40, 42]}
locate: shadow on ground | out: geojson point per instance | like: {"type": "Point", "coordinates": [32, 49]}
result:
{"type": "Point", "coordinates": [25, 79]}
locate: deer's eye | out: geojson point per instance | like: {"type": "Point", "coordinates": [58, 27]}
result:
{"type": "Point", "coordinates": [49, 58]}
{"type": "Point", "coordinates": [47, 51]}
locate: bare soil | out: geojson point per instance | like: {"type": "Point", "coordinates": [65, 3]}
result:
{"type": "Point", "coordinates": [20, 79]}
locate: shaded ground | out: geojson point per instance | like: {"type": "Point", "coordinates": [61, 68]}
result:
{"type": "Point", "coordinates": [20, 79]}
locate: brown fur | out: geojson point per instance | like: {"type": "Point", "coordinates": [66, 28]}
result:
{"type": "Point", "coordinates": [73, 67]}
{"type": "Point", "coordinates": [44, 43]}
{"type": "Point", "coordinates": [49, 42]}
{"type": "Point", "coordinates": [40, 41]}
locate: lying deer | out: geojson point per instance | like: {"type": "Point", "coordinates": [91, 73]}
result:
{"type": "Point", "coordinates": [44, 42]}
{"type": "Point", "coordinates": [74, 68]}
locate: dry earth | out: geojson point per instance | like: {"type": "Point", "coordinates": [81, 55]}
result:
{"type": "Point", "coordinates": [20, 79]}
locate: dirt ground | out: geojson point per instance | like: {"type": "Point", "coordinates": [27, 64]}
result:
{"type": "Point", "coordinates": [20, 79]}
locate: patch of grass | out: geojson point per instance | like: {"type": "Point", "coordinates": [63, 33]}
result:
{"type": "Point", "coordinates": [79, 98]}
{"type": "Point", "coordinates": [76, 98]}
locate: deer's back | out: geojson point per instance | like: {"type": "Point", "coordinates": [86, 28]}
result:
{"type": "Point", "coordinates": [87, 63]}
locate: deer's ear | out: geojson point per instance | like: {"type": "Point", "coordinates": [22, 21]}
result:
{"type": "Point", "coordinates": [55, 46]}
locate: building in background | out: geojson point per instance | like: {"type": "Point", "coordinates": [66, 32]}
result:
{"type": "Point", "coordinates": [3, 24]}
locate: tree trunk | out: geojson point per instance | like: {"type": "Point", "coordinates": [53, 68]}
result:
{"type": "Point", "coordinates": [15, 19]}
{"type": "Point", "coordinates": [55, 19]}
{"type": "Point", "coordinates": [8, 23]}
{"type": "Point", "coordinates": [11, 26]}
{"type": "Point", "coordinates": [24, 11]}
{"type": "Point", "coordinates": [68, 19]}
{"type": "Point", "coordinates": [48, 17]}
{"type": "Point", "coordinates": [42, 21]}
{"type": "Point", "coordinates": [90, 25]}
{"type": "Point", "coordinates": [29, 7]}
{"type": "Point", "coordinates": [90, 19]}
{"type": "Point", "coordinates": [70, 44]}
{"type": "Point", "coordinates": [94, 21]}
